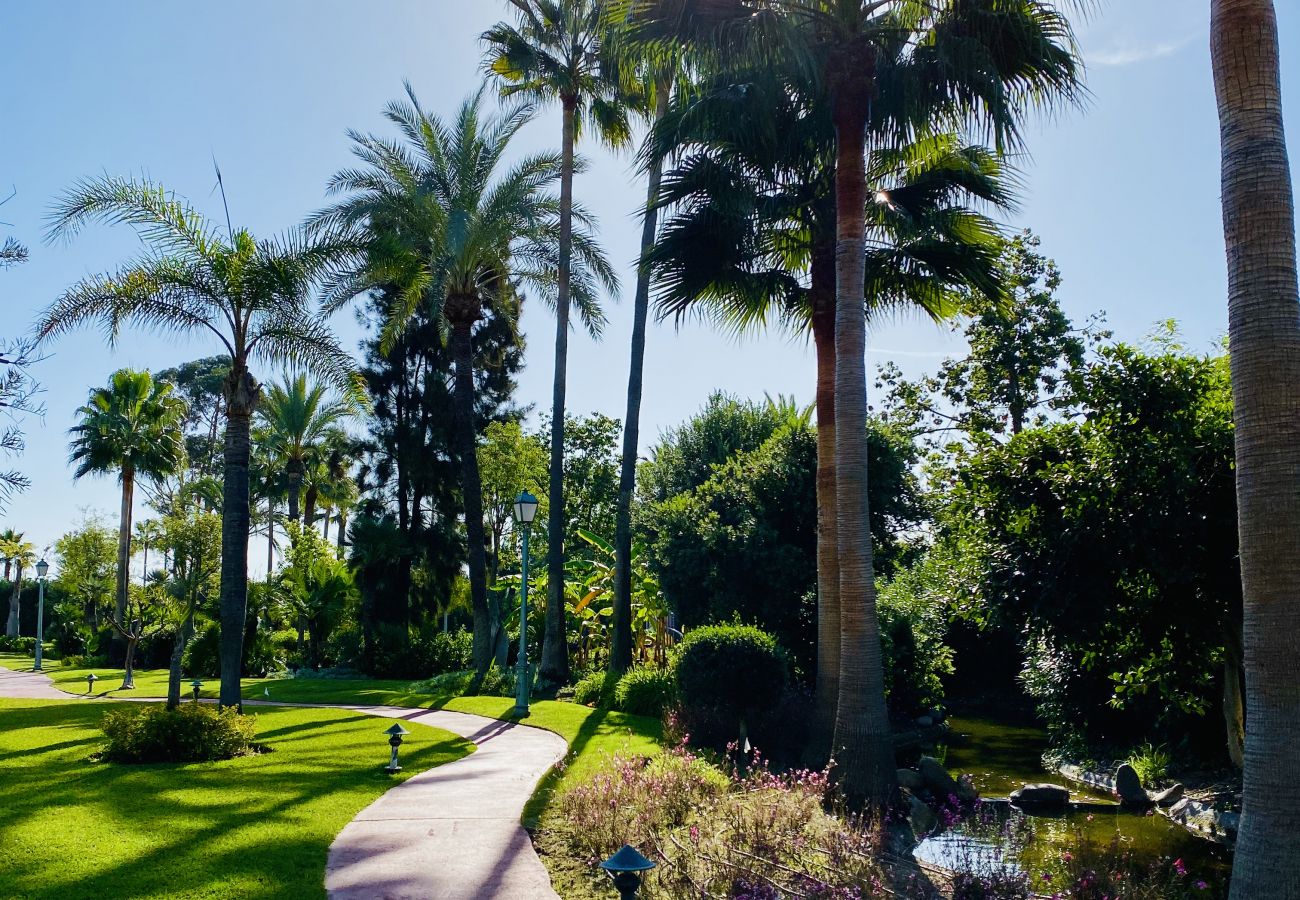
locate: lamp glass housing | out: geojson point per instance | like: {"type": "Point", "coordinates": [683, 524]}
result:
{"type": "Point", "coordinates": [42, 569]}
{"type": "Point", "coordinates": [525, 508]}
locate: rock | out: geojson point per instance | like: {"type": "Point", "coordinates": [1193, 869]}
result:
{"type": "Point", "coordinates": [1129, 787]}
{"type": "Point", "coordinates": [1041, 796]}
{"type": "Point", "coordinates": [936, 778]}
{"type": "Point", "coordinates": [966, 790]}
{"type": "Point", "coordinates": [910, 779]}
{"type": "Point", "coordinates": [1168, 797]}
{"type": "Point", "coordinates": [922, 817]}
{"type": "Point", "coordinates": [924, 721]}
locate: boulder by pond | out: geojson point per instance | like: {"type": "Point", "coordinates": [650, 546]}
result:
{"type": "Point", "coordinates": [1128, 785]}
{"type": "Point", "coordinates": [1168, 797]}
{"type": "Point", "coordinates": [937, 778]}
{"type": "Point", "coordinates": [1041, 796]}
{"type": "Point", "coordinates": [910, 779]}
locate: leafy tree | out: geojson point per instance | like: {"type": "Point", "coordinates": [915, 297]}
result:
{"type": "Point", "coordinates": [8, 536]}
{"type": "Point", "coordinates": [553, 52]}
{"type": "Point", "coordinates": [199, 382]}
{"type": "Point", "coordinates": [1264, 335]}
{"type": "Point", "coordinates": [18, 399]}
{"type": "Point", "coordinates": [86, 576]}
{"type": "Point", "coordinates": [148, 533]}
{"type": "Point", "coordinates": [131, 427]}
{"type": "Point", "coordinates": [743, 542]}
{"type": "Point", "coordinates": [193, 542]}
{"type": "Point", "coordinates": [1111, 541]}
{"type": "Point", "coordinates": [252, 295]}
{"type": "Point", "coordinates": [511, 461]}
{"type": "Point", "coordinates": [453, 228]}
{"type": "Point", "coordinates": [1016, 371]}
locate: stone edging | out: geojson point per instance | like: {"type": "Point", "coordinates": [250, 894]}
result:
{"type": "Point", "coordinates": [1201, 819]}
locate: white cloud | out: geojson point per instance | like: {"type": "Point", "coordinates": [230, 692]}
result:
{"type": "Point", "coordinates": [1126, 53]}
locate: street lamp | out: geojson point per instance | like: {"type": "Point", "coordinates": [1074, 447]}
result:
{"type": "Point", "coordinates": [525, 512]}
{"type": "Point", "coordinates": [394, 740]}
{"type": "Point", "coordinates": [42, 569]}
{"type": "Point", "coordinates": [624, 869]}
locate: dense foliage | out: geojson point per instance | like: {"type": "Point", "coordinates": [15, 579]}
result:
{"type": "Point", "coordinates": [190, 733]}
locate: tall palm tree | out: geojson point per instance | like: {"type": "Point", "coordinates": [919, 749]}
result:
{"type": "Point", "coordinates": [1264, 336]}
{"type": "Point", "coordinates": [21, 554]}
{"type": "Point", "coordinates": [296, 418]}
{"type": "Point", "coordinates": [132, 427]}
{"type": "Point", "coordinates": [889, 72]}
{"type": "Point", "coordinates": [446, 220]}
{"type": "Point", "coordinates": [655, 72]}
{"type": "Point", "coordinates": [553, 52]}
{"type": "Point", "coordinates": [7, 537]}
{"type": "Point", "coordinates": [753, 244]}
{"type": "Point", "coordinates": [253, 295]}
{"type": "Point", "coordinates": [148, 533]}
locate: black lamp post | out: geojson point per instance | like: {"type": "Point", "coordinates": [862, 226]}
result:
{"type": "Point", "coordinates": [196, 685]}
{"type": "Point", "coordinates": [90, 682]}
{"type": "Point", "coordinates": [625, 869]}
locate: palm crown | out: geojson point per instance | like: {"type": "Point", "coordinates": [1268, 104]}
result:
{"type": "Point", "coordinates": [440, 217]}
{"type": "Point", "coordinates": [132, 426]}
{"type": "Point", "coordinates": [252, 295]}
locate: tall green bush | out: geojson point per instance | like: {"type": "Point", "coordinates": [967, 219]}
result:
{"type": "Point", "coordinates": [727, 676]}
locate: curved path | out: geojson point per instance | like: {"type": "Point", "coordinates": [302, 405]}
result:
{"type": "Point", "coordinates": [450, 833]}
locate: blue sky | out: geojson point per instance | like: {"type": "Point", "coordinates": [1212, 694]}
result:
{"type": "Point", "coordinates": [1123, 193]}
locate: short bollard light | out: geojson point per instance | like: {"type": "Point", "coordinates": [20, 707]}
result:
{"type": "Point", "coordinates": [90, 683]}
{"type": "Point", "coordinates": [394, 740]}
{"type": "Point", "coordinates": [625, 868]}
{"type": "Point", "coordinates": [196, 685]}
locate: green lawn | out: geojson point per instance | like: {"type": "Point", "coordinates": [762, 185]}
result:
{"type": "Point", "coordinates": [591, 734]}
{"type": "Point", "coordinates": [258, 826]}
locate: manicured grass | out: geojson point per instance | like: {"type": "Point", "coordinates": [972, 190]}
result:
{"type": "Point", "coordinates": [592, 734]}
{"type": "Point", "coordinates": [257, 826]}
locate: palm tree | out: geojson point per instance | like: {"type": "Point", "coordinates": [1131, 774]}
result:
{"type": "Point", "coordinates": [7, 537]}
{"type": "Point", "coordinates": [21, 554]}
{"type": "Point", "coordinates": [1264, 335]}
{"type": "Point", "coordinates": [444, 219]}
{"type": "Point", "coordinates": [753, 244]}
{"type": "Point", "coordinates": [297, 417]}
{"type": "Point", "coordinates": [132, 427]}
{"type": "Point", "coordinates": [553, 52]}
{"type": "Point", "coordinates": [148, 533]}
{"type": "Point", "coordinates": [252, 295]}
{"type": "Point", "coordinates": [889, 71]}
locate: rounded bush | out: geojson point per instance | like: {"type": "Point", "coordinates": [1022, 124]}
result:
{"type": "Point", "coordinates": [190, 733]}
{"type": "Point", "coordinates": [727, 674]}
{"type": "Point", "coordinates": [596, 689]}
{"type": "Point", "coordinates": [645, 691]}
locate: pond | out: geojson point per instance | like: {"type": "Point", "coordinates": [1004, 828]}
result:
{"type": "Point", "coordinates": [1001, 757]}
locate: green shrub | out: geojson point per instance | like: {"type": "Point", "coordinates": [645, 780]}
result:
{"type": "Point", "coordinates": [18, 645]}
{"type": "Point", "coordinates": [496, 683]}
{"type": "Point", "coordinates": [645, 691]}
{"type": "Point", "coordinates": [727, 675]}
{"type": "Point", "coordinates": [424, 655]}
{"type": "Point", "coordinates": [1151, 763]}
{"type": "Point", "coordinates": [190, 733]}
{"type": "Point", "coordinates": [596, 689]}
{"type": "Point", "coordinates": [202, 656]}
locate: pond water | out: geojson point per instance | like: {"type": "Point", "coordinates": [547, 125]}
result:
{"type": "Point", "coordinates": [1001, 757]}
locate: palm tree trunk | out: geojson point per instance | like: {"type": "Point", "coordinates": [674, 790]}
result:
{"type": "Point", "coordinates": [1264, 337]}
{"type": "Point", "coordinates": [293, 472]}
{"type": "Point", "coordinates": [270, 536]}
{"type": "Point", "coordinates": [828, 561]}
{"type": "Point", "coordinates": [342, 531]}
{"type": "Point", "coordinates": [309, 507]}
{"type": "Point", "coordinates": [144, 574]}
{"type": "Point", "coordinates": [620, 658]}
{"type": "Point", "coordinates": [863, 742]}
{"type": "Point", "coordinates": [124, 549]}
{"type": "Point", "coordinates": [472, 489]}
{"type": "Point", "coordinates": [15, 606]}
{"type": "Point", "coordinates": [555, 645]}
{"type": "Point", "coordinates": [241, 393]}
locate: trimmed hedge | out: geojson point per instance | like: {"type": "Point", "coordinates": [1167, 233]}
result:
{"type": "Point", "coordinates": [646, 691]}
{"type": "Point", "coordinates": [728, 675]}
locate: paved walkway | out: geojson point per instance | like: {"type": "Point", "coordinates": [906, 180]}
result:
{"type": "Point", "coordinates": [450, 833]}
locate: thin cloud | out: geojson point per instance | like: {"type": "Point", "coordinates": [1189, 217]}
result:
{"type": "Point", "coordinates": [1127, 55]}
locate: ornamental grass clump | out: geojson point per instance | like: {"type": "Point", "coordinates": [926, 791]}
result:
{"type": "Point", "coordinates": [189, 733]}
